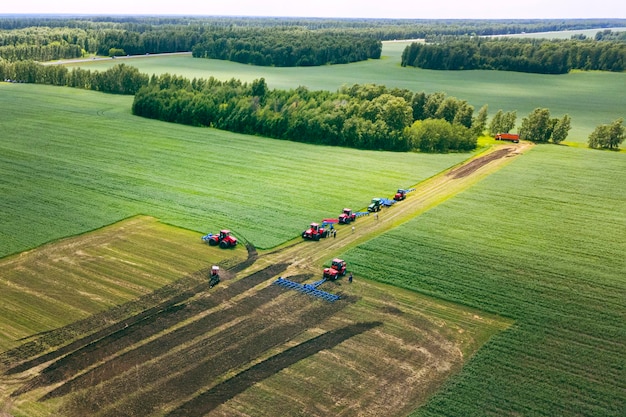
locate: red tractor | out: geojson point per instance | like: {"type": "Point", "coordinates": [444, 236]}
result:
{"type": "Point", "coordinates": [315, 232]}
{"type": "Point", "coordinates": [224, 239]}
{"type": "Point", "coordinates": [337, 269]}
{"type": "Point", "coordinates": [347, 216]}
{"type": "Point", "coordinates": [401, 194]}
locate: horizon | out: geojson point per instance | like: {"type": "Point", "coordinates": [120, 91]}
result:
{"type": "Point", "coordinates": [333, 9]}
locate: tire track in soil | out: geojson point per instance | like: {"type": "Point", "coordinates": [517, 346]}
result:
{"type": "Point", "coordinates": [173, 293]}
{"type": "Point", "coordinates": [58, 337]}
{"type": "Point", "coordinates": [85, 357]}
{"type": "Point", "coordinates": [266, 328]}
{"type": "Point", "coordinates": [218, 395]}
{"type": "Point", "coordinates": [157, 347]}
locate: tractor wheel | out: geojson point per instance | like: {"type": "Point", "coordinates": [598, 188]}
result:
{"type": "Point", "coordinates": [212, 242]}
{"type": "Point", "coordinates": [224, 244]}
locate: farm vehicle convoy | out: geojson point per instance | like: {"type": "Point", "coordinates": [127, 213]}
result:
{"type": "Point", "coordinates": [315, 231]}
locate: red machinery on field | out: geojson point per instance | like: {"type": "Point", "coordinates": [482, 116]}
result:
{"type": "Point", "coordinates": [401, 194]}
{"type": "Point", "coordinates": [507, 136]}
{"type": "Point", "coordinates": [315, 232]}
{"type": "Point", "coordinates": [224, 239]}
{"type": "Point", "coordinates": [337, 269]}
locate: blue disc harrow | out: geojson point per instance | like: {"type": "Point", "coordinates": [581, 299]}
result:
{"type": "Point", "coordinates": [310, 289]}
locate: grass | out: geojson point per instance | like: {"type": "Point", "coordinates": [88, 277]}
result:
{"type": "Point", "coordinates": [73, 161]}
{"type": "Point", "coordinates": [72, 279]}
{"type": "Point", "coordinates": [590, 98]}
{"type": "Point", "coordinates": [540, 242]}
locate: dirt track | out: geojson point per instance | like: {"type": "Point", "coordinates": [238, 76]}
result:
{"type": "Point", "coordinates": [194, 349]}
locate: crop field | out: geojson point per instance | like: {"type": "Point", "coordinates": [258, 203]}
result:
{"type": "Point", "coordinates": [497, 288]}
{"type": "Point", "coordinates": [72, 161]}
{"type": "Point", "coordinates": [541, 241]}
{"type": "Point", "coordinates": [590, 98]}
{"type": "Point", "coordinates": [244, 347]}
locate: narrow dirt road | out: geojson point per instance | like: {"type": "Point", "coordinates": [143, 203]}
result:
{"type": "Point", "coordinates": [306, 256]}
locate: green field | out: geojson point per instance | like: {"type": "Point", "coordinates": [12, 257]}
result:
{"type": "Point", "coordinates": [541, 241]}
{"type": "Point", "coordinates": [73, 160]}
{"type": "Point", "coordinates": [590, 98]}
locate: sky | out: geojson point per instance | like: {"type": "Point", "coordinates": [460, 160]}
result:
{"type": "Point", "coordinates": [405, 9]}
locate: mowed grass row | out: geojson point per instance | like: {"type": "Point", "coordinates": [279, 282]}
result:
{"type": "Point", "coordinates": [542, 241]}
{"type": "Point", "coordinates": [590, 98]}
{"type": "Point", "coordinates": [72, 161]}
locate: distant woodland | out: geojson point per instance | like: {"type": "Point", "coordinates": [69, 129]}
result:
{"type": "Point", "coordinates": [257, 41]}
{"type": "Point", "coordinates": [608, 53]}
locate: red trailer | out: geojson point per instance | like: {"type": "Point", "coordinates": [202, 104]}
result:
{"type": "Point", "coordinates": [508, 136]}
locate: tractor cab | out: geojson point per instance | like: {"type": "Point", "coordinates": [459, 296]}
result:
{"type": "Point", "coordinates": [400, 195]}
{"type": "Point", "coordinates": [224, 234]}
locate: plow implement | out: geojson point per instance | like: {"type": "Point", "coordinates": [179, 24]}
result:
{"type": "Point", "coordinates": [387, 202]}
{"type": "Point", "coordinates": [310, 289]}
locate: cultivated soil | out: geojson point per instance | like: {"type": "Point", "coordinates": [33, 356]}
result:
{"type": "Point", "coordinates": [247, 347]}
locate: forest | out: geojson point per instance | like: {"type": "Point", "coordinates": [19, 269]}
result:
{"type": "Point", "coordinates": [523, 55]}
{"type": "Point", "coordinates": [312, 41]}
{"type": "Point", "coordinates": [287, 47]}
{"type": "Point", "coordinates": [360, 116]}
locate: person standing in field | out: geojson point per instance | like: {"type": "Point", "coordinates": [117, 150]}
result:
{"type": "Point", "coordinates": [350, 278]}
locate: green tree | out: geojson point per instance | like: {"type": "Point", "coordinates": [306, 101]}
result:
{"type": "Point", "coordinates": [502, 122]}
{"type": "Point", "coordinates": [537, 126]}
{"type": "Point", "coordinates": [479, 123]}
{"type": "Point", "coordinates": [608, 136]}
{"type": "Point", "coordinates": [561, 129]}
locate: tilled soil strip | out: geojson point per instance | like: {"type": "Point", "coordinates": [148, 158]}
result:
{"type": "Point", "coordinates": [99, 350]}
{"type": "Point", "coordinates": [266, 328]}
{"type": "Point", "coordinates": [211, 399]}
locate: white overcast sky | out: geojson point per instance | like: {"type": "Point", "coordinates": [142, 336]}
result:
{"type": "Point", "coordinates": [408, 9]}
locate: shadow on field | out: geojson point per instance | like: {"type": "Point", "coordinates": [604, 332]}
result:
{"type": "Point", "coordinates": [164, 372]}
{"type": "Point", "coordinates": [211, 399]}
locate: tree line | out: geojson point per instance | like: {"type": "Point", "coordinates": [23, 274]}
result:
{"type": "Point", "coordinates": [120, 79]}
{"type": "Point", "coordinates": [361, 116]}
{"type": "Point", "coordinates": [523, 55]}
{"type": "Point", "coordinates": [287, 47]}
{"type": "Point", "coordinates": [326, 40]}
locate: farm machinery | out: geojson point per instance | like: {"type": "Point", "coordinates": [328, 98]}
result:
{"type": "Point", "coordinates": [337, 269]}
{"type": "Point", "coordinates": [511, 137]}
{"type": "Point", "coordinates": [224, 239]}
{"type": "Point", "coordinates": [378, 203]}
{"type": "Point", "coordinates": [309, 289]}
{"type": "Point", "coordinates": [315, 232]}
{"type": "Point", "coordinates": [348, 216]}
{"type": "Point", "coordinates": [401, 194]}
{"type": "Point", "coordinates": [214, 276]}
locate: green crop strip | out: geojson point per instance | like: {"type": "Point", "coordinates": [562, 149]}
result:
{"type": "Point", "coordinates": [541, 242]}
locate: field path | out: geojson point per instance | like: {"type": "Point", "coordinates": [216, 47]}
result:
{"type": "Point", "coordinates": [303, 255]}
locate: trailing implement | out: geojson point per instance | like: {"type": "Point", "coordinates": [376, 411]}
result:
{"type": "Point", "coordinates": [507, 136]}
{"type": "Point", "coordinates": [309, 289]}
